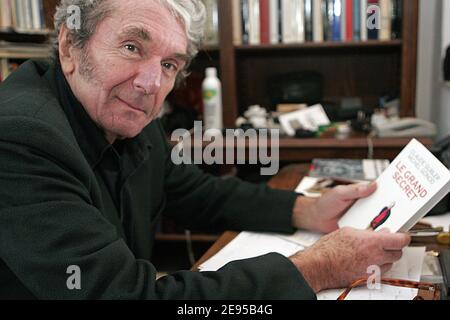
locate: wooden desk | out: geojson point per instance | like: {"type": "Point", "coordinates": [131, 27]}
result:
{"type": "Point", "coordinates": [288, 179]}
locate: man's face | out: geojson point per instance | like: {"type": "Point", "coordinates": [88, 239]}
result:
{"type": "Point", "coordinates": [129, 67]}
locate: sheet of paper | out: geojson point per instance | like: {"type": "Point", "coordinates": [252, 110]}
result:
{"type": "Point", "coordinates": [249, 245]}
{"type": "Point", "coordinates": [439, 221]}
{"type": "Point", "coordinates": [306, 184]}
{"type": "Point", "coordinates": [303, 238]}
{"type": "Point", "coordinates": [409, 267]}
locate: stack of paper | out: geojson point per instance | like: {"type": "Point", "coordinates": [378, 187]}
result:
{"type": "Point", "coordinates": [409, 267]}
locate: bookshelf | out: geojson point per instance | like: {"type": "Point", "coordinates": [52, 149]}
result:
{"type": "Point", "coordinates": [348, 67]}
{"type": "Point", "coordinates": [25, 27]}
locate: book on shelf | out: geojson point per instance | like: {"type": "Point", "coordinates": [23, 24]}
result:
{"type": "Point", "coordinates": [298, 21]}
{"type": "Point", "coordinates": [22, 16]}
{"type": "Point", "coordinates": [407, 190]}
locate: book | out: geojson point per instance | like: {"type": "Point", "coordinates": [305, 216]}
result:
{"type": "Point", "coordinates": [314, 187]}
{"type": "Point", "coordinates": [351, 170]}
{"type": "Point", "coordinates": [264, 24]}
{"type": "Point", "coordinates": [407, 190]}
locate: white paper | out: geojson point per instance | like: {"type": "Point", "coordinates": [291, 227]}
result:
{"type": "Point", "coordinates": [249, 245]}
{"type": "Point", "coordinates": [409, 267]}
{"type": "Point", "coordinates": [303, 238]}
{"type": "Point", "coordinates": [310, 118]}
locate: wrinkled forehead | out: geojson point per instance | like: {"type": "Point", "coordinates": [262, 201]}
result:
{"type": "Point", "coordinates": [149, 20]}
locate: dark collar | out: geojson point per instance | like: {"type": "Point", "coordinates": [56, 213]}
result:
{"type": "Point", "coordinates": [89, 136]}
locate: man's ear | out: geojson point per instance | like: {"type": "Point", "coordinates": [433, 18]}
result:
{"type": "Point", "coordinates": [66, 51]}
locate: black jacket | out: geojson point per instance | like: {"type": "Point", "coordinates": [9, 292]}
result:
{"type": "Point", "coordinates": [55, 213]}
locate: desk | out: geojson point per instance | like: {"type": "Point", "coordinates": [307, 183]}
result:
{"type": "Point", "coordinates": [354, 147]}
{"type": "Point", "coordinates": [287, 179]}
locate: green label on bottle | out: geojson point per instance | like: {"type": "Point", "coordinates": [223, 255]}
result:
{"type": "Point", "coordinates": [209, 94]}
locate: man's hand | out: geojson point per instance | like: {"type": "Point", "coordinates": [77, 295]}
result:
{"type": "Point", "coordinates": [322, 214]}
{"type": "Point", "coordinates": [342, 257]}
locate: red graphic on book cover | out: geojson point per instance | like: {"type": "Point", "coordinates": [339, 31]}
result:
{"type": "Point", "coordinates": [382, 217]}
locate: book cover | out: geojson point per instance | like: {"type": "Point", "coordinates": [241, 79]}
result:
{"type": "Point", "coordinates": [349, 20]}
{"type": "Point", "coordinates": [396, 23]}
{"type": "Point", "coordinates": [254, 22]}
{"type": "Point", "coordinates": [356, 20]}
{"type": "Point", "coordinates": [348, 169]}
{"type": "Point", "coordinates": [237, 22]}
{"type": "Point", "coordinates": [386, 20]}
{"type": "Point", "coordinates": [309, 20]}
{"type": "Point", "coordinates": [245, 21]}
{"type": "Point", "coordinates": [407, 190]}
{"type": "Point", "coordinates": [264, 24]}
{"type": "Point", "coordinates": [274, 21]}
{"type": "Point", "coordinates": [318, 20]}
{"type": "Point", "coordinates": [363, 20]}
{"type": "Point", "coordinates": [336, 22]}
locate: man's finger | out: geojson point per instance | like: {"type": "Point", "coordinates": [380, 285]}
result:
{"type": "Point", "coordinates": [356, 191]}
{"type": "Point", "coordinates": [394, 241]}
{"type": "Point", "coordinates": [386, 267]}
{"type": "Point", "coordinates": [392, 256]}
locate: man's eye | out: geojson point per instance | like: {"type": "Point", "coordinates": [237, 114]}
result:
{"type": "Point", "coordinates": [132, 48]}
{"type": "Point", "coordinates": [170, 67]}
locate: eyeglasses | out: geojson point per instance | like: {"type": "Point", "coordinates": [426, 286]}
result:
{"type": "Point", "coordinates": [427, 291]}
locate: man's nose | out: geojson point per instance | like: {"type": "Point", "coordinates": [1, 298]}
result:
{"type": "Point", "coordinates": [148, 78]}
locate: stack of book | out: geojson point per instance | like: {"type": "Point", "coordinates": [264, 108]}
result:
{"type": "Point", "coordinates": [22, 16]}
{"type": "Point", "coordinates": [297, 21]}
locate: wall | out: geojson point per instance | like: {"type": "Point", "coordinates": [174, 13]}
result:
{"type": "Point", "coordinates": [444, 111]}
{"type": "Point", "coordinates": [433, 98]}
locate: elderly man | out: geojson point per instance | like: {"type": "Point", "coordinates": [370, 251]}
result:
{"type": "Point", "coordinates": [85, 174]}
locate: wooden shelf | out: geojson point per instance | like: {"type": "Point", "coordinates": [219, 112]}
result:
{"type": "Point", "coordinates": [30, 37]}
{"type": "Point", "coordinates": [320, 45]}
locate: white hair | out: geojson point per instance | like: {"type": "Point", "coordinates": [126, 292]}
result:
{"type": "Point", "coordinates": [191, 13]}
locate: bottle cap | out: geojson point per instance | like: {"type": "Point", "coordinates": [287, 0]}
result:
{"type": "Point", "coordinates": [211, 72]}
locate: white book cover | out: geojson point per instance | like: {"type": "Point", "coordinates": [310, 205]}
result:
{"type": "Point", "coordinates": [36, 12]}
{"type": "Point", "coordinates": [407, 190]}
{"type": "Point", "coordinates": [237, 22]}
{"type": "Point", "coordinates": [343, 20]}
{"type": "Point", "coordinates": [300, 20]}
{"type": "Point", "coordinates": [254, 19]}
{"type": "Point", "coordinates": [317, 21]}
{"type": "Point", "coordinates": [364, 20]}
{"type": "Point", "coordinates": [288, 21]}
{"type": "Point", "coordinates": [386, 18]}
{"type": "Point", "coordinates": [274, 21]}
